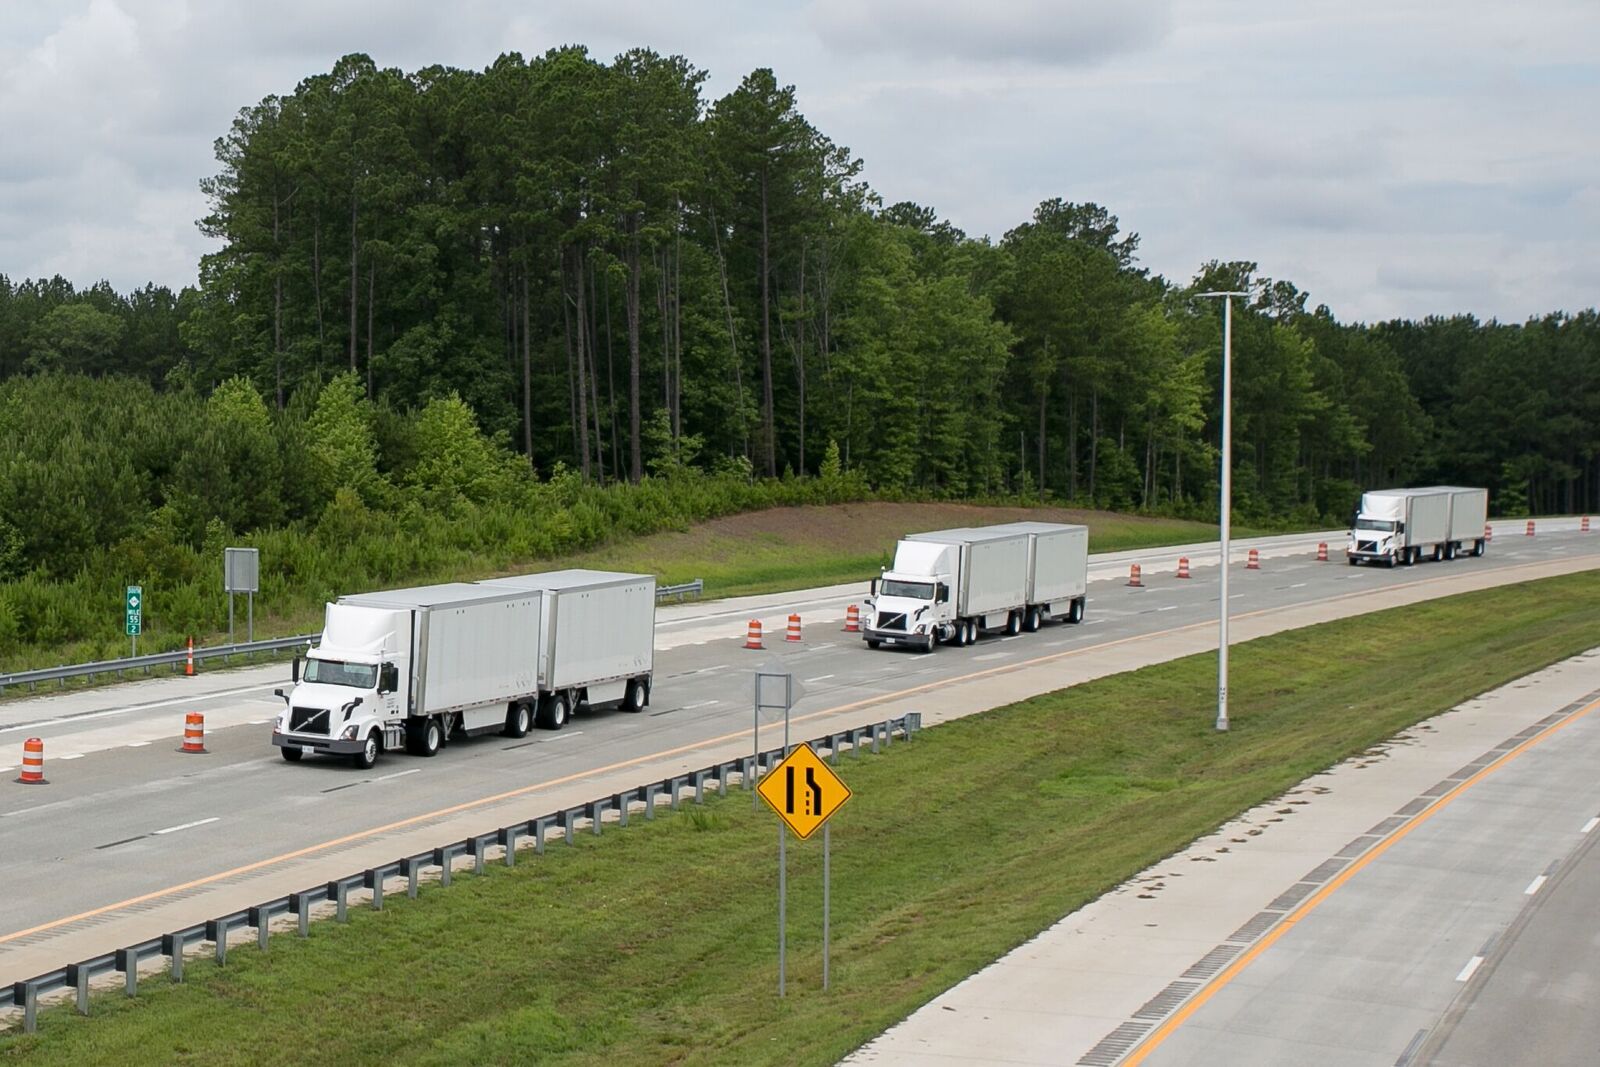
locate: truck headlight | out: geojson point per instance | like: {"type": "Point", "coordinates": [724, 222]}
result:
{"type": "Point", "coordinates": [349, 733]}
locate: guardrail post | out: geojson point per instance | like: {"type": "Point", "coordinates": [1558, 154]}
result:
{"type": "Point", "coordinates": [541, 826]}
{"type": "Point", "coordinates": [373, 880]}
{"type": "Point", "coordinates": [698, 780]}
{"type": "Point", "coordinates": [913, 723]}
{"type": "Point", "coordinates": [444, 859]}
{"type": "Point", "coordinates": [128, 964]}
{"type": "Point", "coordinates": [508, 841]}
{"type": "Point", "coordinates": [650, 792]}
{"type": "Point", "coordinates": [27, 994]}
{"type": "Point", "coordinates": [855, 741]}
{"type": "Point", "coordinates": [340, 891]}
{"type": "Point", "coordinates": [597, 811]}
{"type": "Point", "coordinates": [569, 824]}
{"type": "Point", "coordinates": [724, 772]}
{"type": "Point", "coordinates": [78, 977]}
{"type": "Point", "coordinates": [172, 945]}
{"type": "Point", "coordinates": [410, 867]}
{"type": "Point", "coordinates": [676, 785]}
{"type": "Point", "coordinates": [480, 847]}
{"type": "Point", "coordinates": [300, 904]}
{"type": "Point", "coordinates": [260, 917]}
{"type": "Point", "coordinates": [747, 772]}
{"type": "Point", "coordinates": [623, 801]}
{"type": "Point", "coordinates": [217, 934]}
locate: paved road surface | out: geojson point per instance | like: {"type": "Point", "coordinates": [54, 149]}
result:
{"type": "Point", "coordinates": [133, 838]}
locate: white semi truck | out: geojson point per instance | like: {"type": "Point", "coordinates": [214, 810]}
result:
{"type": "Point", "coordinates": [411, 668]}
{"type": "Point", "coordinates": [1403, 525]}
{"type": "Point", "coordinates": [951, 585]}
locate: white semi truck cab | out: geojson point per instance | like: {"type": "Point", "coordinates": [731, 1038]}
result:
{"type": "Point", "coordinates": [911, 602]}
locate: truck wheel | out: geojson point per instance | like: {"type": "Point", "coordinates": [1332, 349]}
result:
{"type": "Point", "coordinates": [633, 699]}
{"type": "Point", "coordinates": [1014, 624]}
{"type": "Point", "coordinates": [1351, 560]}
{"type": "Point", "coordinates": [293, 755]}
{"type": "Point", "coordinates": [555, 712]}
{"type": "Point", "coordinates": [369, 752]}
{"type": "Point", "coordinates": [1030, 622]}
{"type": "Point", "coordinates": [519, 720]}
{"type": "Point", "coordinates": [1477, 547]}
{"type": "Point", "coordinates": [1075, 613]}
{"type": "Point", "coordinates": [926, 646]}
{"type": "Point", "coordinates": [432, 737]}
{"type": "Point", "coordinates": [873, 642]}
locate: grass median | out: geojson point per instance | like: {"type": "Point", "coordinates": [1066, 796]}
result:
{"type": "Point", "coordinates": [657, 944]}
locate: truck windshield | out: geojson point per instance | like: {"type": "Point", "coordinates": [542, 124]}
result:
{"type": "Point", "coordinates": [909, 590]}
{"type": "Point", "coordinates": [1386, 525]}
{"type": "Point", "coordinates": [338, 672]}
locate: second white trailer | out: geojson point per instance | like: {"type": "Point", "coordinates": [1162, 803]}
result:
{"type": "Point", "coordinates": [1058, 570]}
{"type": "Point", "coordinates": [597, 643]}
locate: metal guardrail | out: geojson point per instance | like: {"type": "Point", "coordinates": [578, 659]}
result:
{"type": "Point", "coordinates": [118, 667]}
{"type": "Point", "coordinates": [563, 823]}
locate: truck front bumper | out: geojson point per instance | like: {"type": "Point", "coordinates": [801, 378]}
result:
{"type": "Point", "coordinates": [898, 637]}
{"type": "Point", "coordinates": [317, 743]}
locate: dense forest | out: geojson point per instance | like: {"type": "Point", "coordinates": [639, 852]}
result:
{"type": "Point", "coordinates": [585, 274]}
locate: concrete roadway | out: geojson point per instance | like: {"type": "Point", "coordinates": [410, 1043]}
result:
{"type": "Point", "coordinates": [132, 838]}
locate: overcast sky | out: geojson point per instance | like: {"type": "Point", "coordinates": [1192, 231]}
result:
{"type": "Point", "coordinates": [1392, 157]}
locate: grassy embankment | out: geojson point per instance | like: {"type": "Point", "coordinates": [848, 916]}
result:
{"type": "Point", "coordinates": [753, 552]}
{"type": "Point", "coordinates": [656, 944]}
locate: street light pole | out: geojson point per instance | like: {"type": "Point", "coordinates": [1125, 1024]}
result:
{"type": "Point", "coordinates": [1227, 498]}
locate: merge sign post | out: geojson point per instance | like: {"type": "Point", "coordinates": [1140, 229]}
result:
{"type": "Point", "coordinates": [241, 573]}
{"type": "Point", "coordinates": [805, 792]}
{"type": "Point", "coordinates": [133, 616]}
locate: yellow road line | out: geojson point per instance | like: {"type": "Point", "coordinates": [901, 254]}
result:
{"type": "Point", "coordinates": [1211, 988]}
{"type": "Point", "coordinates": [511, 794]}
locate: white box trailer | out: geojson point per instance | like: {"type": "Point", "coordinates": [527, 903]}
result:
{"type": "Point", "coordinates": [1058, 570]}
{"type": "Point", "coordinates": [1469, 516]}
{"type": "Point", "coordinates": [1400, 526]}
{"type": "Point", "coordinates": [597, 641]}
{"type": "Point", "coordinates": [410, 667]}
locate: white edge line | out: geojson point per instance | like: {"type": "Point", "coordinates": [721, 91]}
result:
{"type": "Point", "coordinates": [137, 744]}
{"type": "Point", "coordinates": [1590, 825]}
{"type": "Point", "coordinates": [818, 678]}
{"type": "Point", "coordinates": [1534, 886]}
{"type": "Point", "coordinates": [73, 755]}
{"type": "Point", "coordinates": [398, 774]}
{"type": "Point", "coordinates": [188, 825]}
{"type": "Point", "coordinates": [1472, 966]}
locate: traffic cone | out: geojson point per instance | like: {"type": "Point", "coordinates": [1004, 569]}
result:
{"type": "Point", "coordinates": [852, 620]}
{"type": "Point", "coordinates": [1530, 527]}
{"type": "Point", "coordinates": [1183, 566]}
{"type": "Point", "coordinates": [753, 636]}
{"type": "Point", "coordinates": [1133, 577]}
{"type": "Point", "coordinates": [1322, 551]}
{"type": "Point", "coordinates": [194, 732]}
{"type": "Point", "coordinates": [188, 663]}
{"type": "Point", "coordinates": [794, 629]}
{"type": "Point", "coordinates": [1254, 563]}
{"type": "Point", "coordinates": [1488, 533]}
{"type": "Point", "coordinates": [32, 762]}
{"type": "Point", "coordinates": [1583, 527]}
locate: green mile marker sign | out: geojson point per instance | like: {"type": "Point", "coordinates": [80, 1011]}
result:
{"type": "Point", "coordinates": [135, 606]}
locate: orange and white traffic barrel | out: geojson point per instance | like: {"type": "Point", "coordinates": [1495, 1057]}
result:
{"type": "Point", "coordinates": [752, 638]}
{"type": "Point", "coordinates": [1134, 577]}
{"type": "Point", "coordinates": [1322, 551]}
{"type": "Point", "coordinates": [793, 633]}
{"type": "Point", "coordinates": [1530, 528]}
{"type": "Point", "coordinates": [32, 762]}
{"type": "Point", "coordinates": [1254, 563]}
{"type": "Point", "coordinates": [1183, 566]}
{"type": "Point", "coordinates": [852, 620]}
{"type": "Point", "coordinates": [194, 732]}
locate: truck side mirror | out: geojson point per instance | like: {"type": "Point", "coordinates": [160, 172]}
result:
{"type": "Point", "coordinates": [281, 695]}
{"type": "Point", "coordinates": [296, 673]}
{"type": "Point", "coordinates": [874, 587]}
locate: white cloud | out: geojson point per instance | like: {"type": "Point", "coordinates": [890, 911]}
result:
{"type": "Point", "coordinates": [1393, 157]}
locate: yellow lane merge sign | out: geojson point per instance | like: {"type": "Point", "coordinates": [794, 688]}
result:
{"type": "Point", "coordinates": [804, 791]}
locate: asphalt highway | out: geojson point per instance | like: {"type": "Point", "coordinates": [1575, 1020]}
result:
{"type": "Point", "coordinates": [131, 837]}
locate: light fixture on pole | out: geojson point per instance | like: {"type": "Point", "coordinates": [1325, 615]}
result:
{"type": "Point", "coordinates": [1227, 496]}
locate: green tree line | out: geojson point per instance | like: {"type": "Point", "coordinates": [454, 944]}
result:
{"type": "Point", "coordinates": [602, 274]}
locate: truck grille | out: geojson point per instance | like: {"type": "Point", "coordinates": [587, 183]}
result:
{"type": "Point", "coordinates": [1366, 546]}
{"type": "Point", "coordinates": [891, 620]}
{"type": "Point", "coordinates": [308, 720]}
